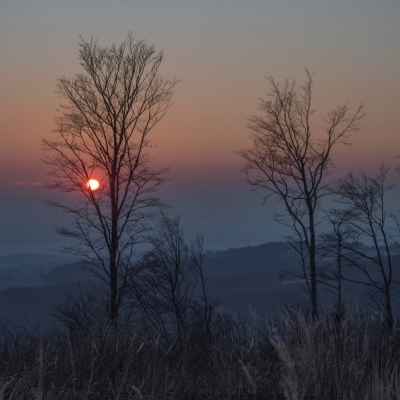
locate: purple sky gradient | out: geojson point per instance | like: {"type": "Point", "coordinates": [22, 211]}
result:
{"type": "Point", "coordinates": [221, 51]}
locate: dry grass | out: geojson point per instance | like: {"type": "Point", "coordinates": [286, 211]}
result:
{"type": "Point", "coordinates": [292, 358]}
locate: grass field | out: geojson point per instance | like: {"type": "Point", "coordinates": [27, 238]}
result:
{"type": "Point", "coordinates": [289, 358]}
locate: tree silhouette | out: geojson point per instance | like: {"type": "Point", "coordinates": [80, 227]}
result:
{"type": "Point", "coordinates": [103, 133]}
{"type": "Point", "coordinates": [291, 162]}
{"type": "Point", "coordinates": [365, 195]}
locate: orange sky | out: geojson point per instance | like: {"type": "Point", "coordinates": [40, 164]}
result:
{"type": "Point", "coordinates": [221, 51]}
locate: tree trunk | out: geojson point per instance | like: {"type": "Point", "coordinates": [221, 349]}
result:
{"type": "Point", "coordinates": [338, 310]}
{"type": "Point", "coordinates": [113, 312]}
{"type": "Point", "coordinates": [389, 311]}
{"type": "Point", "coordinates": [114, 248]}
{"type": "Point", "coordinates": [313, 266]}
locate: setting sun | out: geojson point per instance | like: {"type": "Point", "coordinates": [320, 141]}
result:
{"type": "Point", "coordinates": [93, 184]}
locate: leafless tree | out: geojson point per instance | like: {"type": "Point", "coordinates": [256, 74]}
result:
{"type": "Point", "coordinates": [204, 307]}
{"type": "Point", "coordinates": [170, 292]}
{"type": "Point", "coordinates": [366, 194]}
{"type": "Point", "coordinates": [332, 246]}
{"type": "Point", "coordinates": [289, 161]}
{"type": "Point", "coordinates": [82, 313]}
{"type": "Point", "coordinates": [169, 276]}
{"type": "Point", "coordinates": [103, 133]}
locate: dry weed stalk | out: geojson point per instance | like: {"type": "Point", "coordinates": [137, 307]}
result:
{"type": "Point", "coordinates": [249, 378]}
{"type": "Point", "coordinates": [137, 392]}
{"type": "Point", "coordinates": [40, 386]}
{"type": "Point", "coordinates": [346, 362]}
{"type": "Point", "coordinates": [289, 383]}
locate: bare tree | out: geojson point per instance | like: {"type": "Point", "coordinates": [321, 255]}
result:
{"type": "Point", "coordinates": [333, 250]}
{"type": "Point", "coordinates": [165, 288]}
{"type": "Point", "coordinates": [170, 292]}
{"type": "Point", "coordinates": [289, 161]}
{"type": "Point", "coordinates": [366, 195]}
{"type": "Point", "coordinates": [103, 133]}
{"type": "Point", "coordinates": [205, 307]}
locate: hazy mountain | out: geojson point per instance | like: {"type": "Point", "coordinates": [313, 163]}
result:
{"type": "Point", "coordinates": [238, 278]}
{"type": "Point", "coordinates": [67, 273]}
{"type": "Point", "coordinates": [12, 260]}
{"type": "Point", "coordinates": [30, 306]}
{"type": "Point", "coordinates": [28, 269]}
{"type": "Point", "coordinates": [267, 257]}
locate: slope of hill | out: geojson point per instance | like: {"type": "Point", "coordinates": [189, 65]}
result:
{"type": "Point", "coordinates": [239, 279]}
{"type": "Point", "coordinates": [72, 272]}
{"type": "Point", "coordinates": [13, 260]}
{"type": "Point", "coordinates": [267, 257]}
{"type": "Point", "coordinates": [31, 306]}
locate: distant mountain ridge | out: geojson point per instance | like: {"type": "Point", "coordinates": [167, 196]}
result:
{"type": "Point", "coordinates": [264, 257]}
{"type": "Point", "coordinates": [13, 260]}
{"type": "Point", "coordinates": [239, 278]}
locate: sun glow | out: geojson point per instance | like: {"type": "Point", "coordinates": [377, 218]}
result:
{"type": "Point", "coordinates": [93, 184]}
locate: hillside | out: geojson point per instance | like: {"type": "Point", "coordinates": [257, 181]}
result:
{"type": "Point", "coordinates": [269, 257]}
{"type": "Point", "coordinates": [239, 279]}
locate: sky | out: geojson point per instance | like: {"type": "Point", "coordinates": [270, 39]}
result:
{"type": "Point", "coordinates": [221, 51]}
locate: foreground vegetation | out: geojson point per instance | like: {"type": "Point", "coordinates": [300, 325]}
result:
{"type": "Point", "coordinates": [289, 358]}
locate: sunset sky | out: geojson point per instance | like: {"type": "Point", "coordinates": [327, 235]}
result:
{"type": "Point", "coordinates": [221, 51]}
